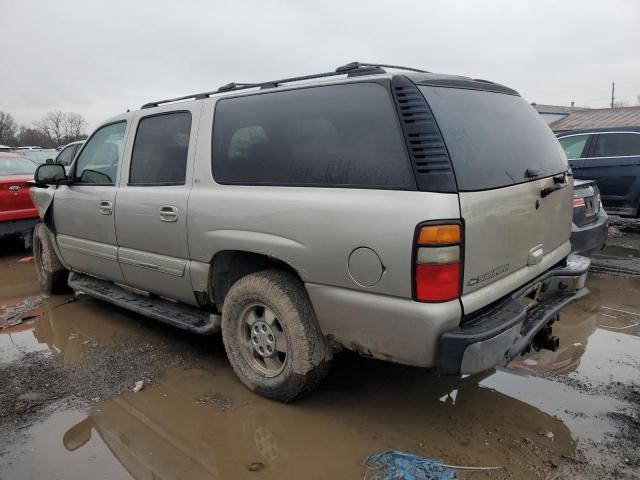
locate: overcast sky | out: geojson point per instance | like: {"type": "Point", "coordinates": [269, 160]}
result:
{"type": "Point", "coordinates": [101, 58]}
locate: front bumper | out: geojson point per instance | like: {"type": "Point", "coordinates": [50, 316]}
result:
{"type": "Point", "coordinates": [15, 227]}
{"type": "Point", "coordinates": [497, 334]}
{"type": "Point", "coordinates": [590, 237]}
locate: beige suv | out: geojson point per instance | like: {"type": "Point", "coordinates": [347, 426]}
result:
{"type": "Point", "coordinates": [413, 217]}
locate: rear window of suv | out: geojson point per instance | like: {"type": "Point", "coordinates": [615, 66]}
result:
{"type": "Point", "coordinates": [493, 138]}
{"type": "Point", "coordinates": [328, 136]}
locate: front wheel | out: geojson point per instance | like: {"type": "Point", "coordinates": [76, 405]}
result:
{"type": "Point", "coordinates": [52, 276]}
{"type": "Point", "coordinates": [272, 337]}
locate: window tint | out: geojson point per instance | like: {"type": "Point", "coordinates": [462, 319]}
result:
{"type": "Point", "coordinates": [98, 161]}
{"type": "Point", "coordinates": [574, 146]}
{"type": "Point", "coordinates": [616, 145]}
{"type": "Point", "coordinates": [160, 150]}
{"type": "Point", "coordinates": [65, 157]}
{"type": "Point", "coordinates": [493, 138]}
{"type": "Point", "coordinates": [340, 135]}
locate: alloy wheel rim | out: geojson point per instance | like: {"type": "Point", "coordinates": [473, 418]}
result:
{"type": "Point", "coordinates": [263, 341]}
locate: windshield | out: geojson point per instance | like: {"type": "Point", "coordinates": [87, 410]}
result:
{"type": "Point", "coordinates": [16, 166]}
{"type": "Point", "coordinates": [493, 138]}
{"type": "Point", "coordinates": [39, 156]}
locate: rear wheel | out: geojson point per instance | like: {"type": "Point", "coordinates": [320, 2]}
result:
{"type": "Point", "coordinates": [272, 337]}
{"type": "Point", "coordinates": [52, 276]}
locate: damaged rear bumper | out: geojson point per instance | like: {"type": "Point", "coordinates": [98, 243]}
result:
{"type": "Point", "coordinates": [497, 334]}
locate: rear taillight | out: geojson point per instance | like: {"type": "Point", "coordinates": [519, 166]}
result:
{"type": "Point", "coordinates": [578, 202]}
{"type": "Point", "coordinates": [438, 262]}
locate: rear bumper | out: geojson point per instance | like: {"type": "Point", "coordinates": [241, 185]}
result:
{"type": "Point", "coordinates": [590, 237]}
{"type": "Point", "coordinates": [501, 332]}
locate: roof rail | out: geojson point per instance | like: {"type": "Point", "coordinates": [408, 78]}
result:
{"type": "Point", "coordinates": [354, 65]}
{"type": "Point", "coordinates": [350, 69]}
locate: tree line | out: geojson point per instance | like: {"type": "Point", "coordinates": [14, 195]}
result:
{"type": "Point", "coordinates": [54, 129]}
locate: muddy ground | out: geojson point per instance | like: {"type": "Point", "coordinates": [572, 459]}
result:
{"type": "Point", "coordinates": [68, 410]}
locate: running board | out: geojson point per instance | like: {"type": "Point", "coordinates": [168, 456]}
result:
{"type": "Point", "coordinates": [177, 314]}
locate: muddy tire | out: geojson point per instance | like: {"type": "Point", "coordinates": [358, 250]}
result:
{"type": "Point", "coordinates": [52, 276]}
{"type": "Point", "coordinates": [272, 337]}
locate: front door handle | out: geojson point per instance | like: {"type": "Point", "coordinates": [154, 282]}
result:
{"type": "Point", "coordinates": [105, 207]}
{"type": "Point", "coordinates": [168, 213]}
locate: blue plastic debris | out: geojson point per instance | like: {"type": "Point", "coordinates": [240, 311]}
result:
{"type": "Point", "coordinates": [405, 466]}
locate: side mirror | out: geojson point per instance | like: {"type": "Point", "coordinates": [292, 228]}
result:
{"type": "Point", "coordinates": [49, 160]}
{"type": "Point", "coordinates": [50, 174]}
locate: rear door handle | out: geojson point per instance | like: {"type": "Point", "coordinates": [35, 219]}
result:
{"type": "Point", "coordinates": [105, 207]}
{"type": "Point", "coordinates": [168, 213]}
{"type": "Point", "coordinates": [549, 190]}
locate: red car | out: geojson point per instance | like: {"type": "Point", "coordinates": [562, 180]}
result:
{"type": "Point", "coordinates": [18, 215]}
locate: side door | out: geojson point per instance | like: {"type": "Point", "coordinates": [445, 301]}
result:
{"type": "Point", "coordinates": [614, 160]}
{"type": "Point", "coordinates": [151, 208]}
{"type": "Point", "coordinates": [83, 211]}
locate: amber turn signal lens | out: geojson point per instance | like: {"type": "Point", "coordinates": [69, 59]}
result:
{"type": "Point", "coordinates": [439, 234]}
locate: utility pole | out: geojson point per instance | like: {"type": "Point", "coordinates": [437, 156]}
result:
{"type": "Point", "coordinates": [613, 89]}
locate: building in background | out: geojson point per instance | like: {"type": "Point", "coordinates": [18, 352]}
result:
{"type": "Point", "coordinates": [553, 113]}
{"type": "Point", "coordinates": [597, 118]}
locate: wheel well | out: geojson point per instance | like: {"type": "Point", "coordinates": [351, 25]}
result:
{"type": "Point", "coordinates": [229, 266]}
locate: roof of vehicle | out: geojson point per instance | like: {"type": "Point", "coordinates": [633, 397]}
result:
{"type": "Point", "coordinates": [351, 70]}
{"type": "Point", "coordinates": [12, 155]}
{"type": "Point", "coordinates": [599, 118]}
{"type": "Point", "coordinates": [597, 130]}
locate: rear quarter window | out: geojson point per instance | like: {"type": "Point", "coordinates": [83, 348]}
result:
{"type": "Point", "coordinates": [329, 136]}
{"type": "Point", "coordinates": [493, 138]}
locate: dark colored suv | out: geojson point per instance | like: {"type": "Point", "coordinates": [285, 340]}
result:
{"type": "Point", "coordinates": [611, 157]}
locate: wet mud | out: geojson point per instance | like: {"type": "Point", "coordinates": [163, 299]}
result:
{"type": "Point", "coordinates": [68, 409]}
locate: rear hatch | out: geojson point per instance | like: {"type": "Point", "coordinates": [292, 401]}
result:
{"type": "Point", "coordinates": [586, 202]}
{"type": "Point", "coordinates": [515, 197]}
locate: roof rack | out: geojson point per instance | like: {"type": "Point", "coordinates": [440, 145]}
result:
{"type": "Point", "coordinates": [350, 69]}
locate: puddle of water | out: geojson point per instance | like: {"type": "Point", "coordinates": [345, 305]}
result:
{"type": "Point", "coordinates": [170, 430]}
{"type": "Point", "coordinates": [18, 279]}
{"type": "Point", "coordinates": [45, 455]}
{"type": "Point", "coordinates": [203, 423]}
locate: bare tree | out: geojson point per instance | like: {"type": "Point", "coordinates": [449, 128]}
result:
{"type": "Point", "coordinates": [8, 129]}
{"type": "Point", "coordinates": [620, 104]}
{"type": "Point", "coordinates": [62, 127]}
{"type": "Point", "coordinates": [52, 125]}
{"type": "Point", "coordinates": [74, 126]}
{"type": "Point", "coordinates": [33, 136]}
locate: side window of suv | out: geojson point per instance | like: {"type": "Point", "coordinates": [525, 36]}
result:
{"type": "Point", "coordinates": [617, 145]}
{"type": "Point", "coordinates": [98, 161]}
{"type": "Point", "coordinates": [329, 136]}
{"type": "Point", "coordinates": [160, 150]}
{"type": "Point", "coordinates": [66, 156]}
{"type": "Point", "coordinates": [574, 146]}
